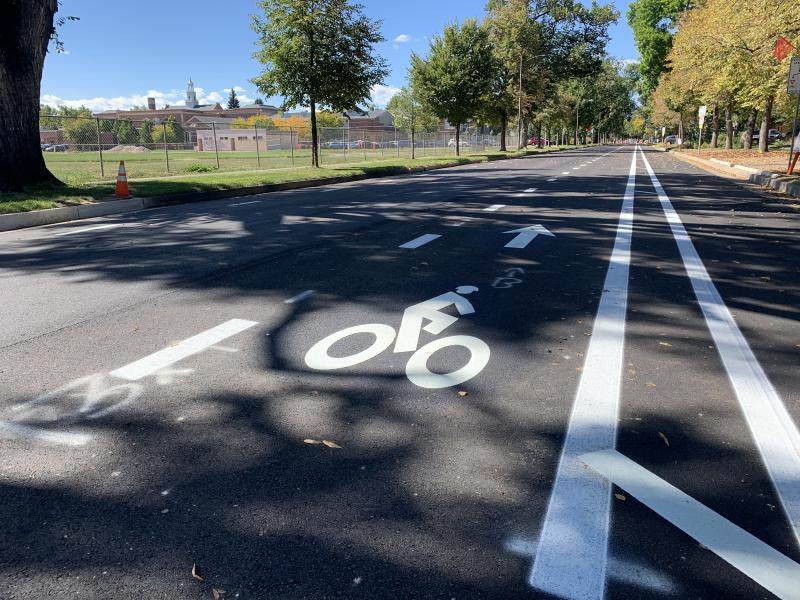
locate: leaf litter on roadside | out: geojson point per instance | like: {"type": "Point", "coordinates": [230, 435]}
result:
{"type": "Point", "coordinates": [663, 437]}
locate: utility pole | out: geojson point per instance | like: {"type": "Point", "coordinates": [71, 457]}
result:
{"type": "Point", "coordinates": [519, 107]}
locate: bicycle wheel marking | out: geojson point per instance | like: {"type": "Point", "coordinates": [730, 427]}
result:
{"type": "Point", "coordinates": [417, 368]}
{"type": "Point", "coordinates": [318, 358]}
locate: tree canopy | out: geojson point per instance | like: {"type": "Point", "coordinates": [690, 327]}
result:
{"type": "Point", "coordinates": [317, 53]}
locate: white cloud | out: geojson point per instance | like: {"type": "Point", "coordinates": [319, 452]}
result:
{"type": "Point", "coordinates": [172, 97]}
{"type": "Point", "coordinates": [381, 94]}
{"type": "Point", "coordinates": [402, 38]}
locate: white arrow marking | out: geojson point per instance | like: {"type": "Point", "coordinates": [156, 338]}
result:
{"type": "Point", "coordinates": [760, 562]}
{"type": "Point", "coordinates": [526, 235]}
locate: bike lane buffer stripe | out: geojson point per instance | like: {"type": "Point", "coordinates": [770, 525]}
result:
{"type": "Point", "coordinates": [570, 560]}
{"type": "Point", "coordinates": [771, 425]}
{"type": "Point", "coordinates": [163, 358]}
{"type": "Point", "coordinates": [420, 241]}
{"type": "Point", "coordinates": [745, 552]}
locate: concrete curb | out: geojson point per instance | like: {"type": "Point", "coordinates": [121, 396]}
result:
{"type": "Point", "coordinates": [739, 171]}
{"type": "Point", "coordinates": [51, 216]}
{"type": "Point", "coordinates": [785, 184]}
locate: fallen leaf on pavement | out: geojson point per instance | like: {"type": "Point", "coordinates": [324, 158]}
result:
{"type": "Point", "coordinates": [663, 437]}
{"type": "Point", "coordinates": [331, 444]}
{"type": "Point", "coordinates": [217, 593]}
{"type": "Point", "coordinates": [620, 497]}
{"type": "Point", "coordinates": [194, 573]}
{"type": "Point", "coordinates": [665, 344]}
{"type": "Point", "coordinates": [311, 441]}
{"type": "Point", "coordinates": [650, 384]}
{"type": "Point", "coordinates": [462, 393]}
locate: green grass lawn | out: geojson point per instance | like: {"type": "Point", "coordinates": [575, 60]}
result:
{"type": "Point", "coordinates": [78, 168]}
{"type": "Point", "coordinates": [238, 173]}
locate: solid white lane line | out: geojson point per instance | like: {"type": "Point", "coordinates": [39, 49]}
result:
{"type": "Point", "coordinates": [163, 358]}
{"type": "Point", "coordinates": [773, 429]}
{"type": "Point", "coordinates": [420, 241]}
{"type": "Point", "coordinates": [745, 552]}
{"type": "Point", "coordinates": [93, 228]}
{"type": "Point", "coordinates": [571, 557]}
{"type": "Point", "coordinates": [494, 207]}
{"type": "Point", "coordinates": [300, 297]}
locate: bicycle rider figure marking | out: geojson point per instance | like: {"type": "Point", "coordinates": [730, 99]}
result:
{"type": "Point", "coordinates": [407, 340]}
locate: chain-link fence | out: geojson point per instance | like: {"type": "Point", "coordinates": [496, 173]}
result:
{"type": "Point", "coordinates": [86, 149]}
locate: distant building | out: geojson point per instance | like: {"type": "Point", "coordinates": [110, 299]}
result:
{"type": "Point", "coordinates": [192, 108]}
{"type": "Point", "coordinates": [229, 140]}
{"type": "Point", "coordinates": [373, 119]}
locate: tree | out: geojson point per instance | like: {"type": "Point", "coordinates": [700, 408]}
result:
{"type": "Point", "coordinates": [455, 77]}
{"type": "Point", "coordinates": [233, 101]}
{"type": "Point", "coordinates": [543, 42]}
{"type": "Point", "coordinates": [253, 121]}
{"type": "Point", "coordinates": [411, 115]}
{"type": "Point", "coordinates": [258, 101]}
{"type": "Point", "coordinates": [126, 132]}
{"type": "Point", "coordinates": [146, 133]}
{"type": "Point", "coordinates": [653, 23]}
{"type": "Point", "coordinates": [326, 118]}
{"type": "Point", "coordinates": [318, 53]}
{"type": "Point", "coordinates": [26, 29]}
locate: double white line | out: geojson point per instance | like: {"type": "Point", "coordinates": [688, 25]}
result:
{"type": "Point", "coordinates": [571, 558]}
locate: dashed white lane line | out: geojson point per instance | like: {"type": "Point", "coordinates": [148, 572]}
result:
{"type": "Point", "coordinates": [773, 428]}
{"type": "Point", "coordinates": [553, 179]}
{"type": "Point", "coordinates": [762, 563]}
{"type": "Point", "coordinates": [571, 556]}
{"type": "Point", "coordinates": [299, 297]}
{"type": "Point", "coordinates": [93, 228]}
{"type": "Point", "coordinates": [531, 190]}
{"type": "Point", "coordinates": [565, 172]}
{"type": "Point", "coordinates": [494, 207]}
{"type": "Point", "coordinates": [420, 241]}
{"type": "Point", "coordinates": [163, 358]}
{"type": "Point", "coordinates": [243, 203]}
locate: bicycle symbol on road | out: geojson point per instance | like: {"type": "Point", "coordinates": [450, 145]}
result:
{"type": "Point", "coordinates": [407, 340]}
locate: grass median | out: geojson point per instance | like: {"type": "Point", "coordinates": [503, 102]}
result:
{"type": "Point", "coordinates": [91, 192]}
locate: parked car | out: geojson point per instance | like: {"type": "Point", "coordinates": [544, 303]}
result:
{"type": "Point", "coordinates": [57, 148]}
{"type": "Point", "coordinates": [534, 141]}
{"type": "Point", "coordinates": [334, 145]}
{"type": "Point", "coordinates": [773, 136]}
{"type": "Point", "coordinates": [671, 139]}
{"type": "Point", "coordinates": [462, 143]}
{"type": "Point", "coordinates": [45, 146]}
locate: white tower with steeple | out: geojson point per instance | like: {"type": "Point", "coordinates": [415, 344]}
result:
{"type": "Point", "coordinates": [191, 95]}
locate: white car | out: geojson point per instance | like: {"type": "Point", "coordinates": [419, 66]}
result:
{"type": "Point", "coordinates": [462, 143]}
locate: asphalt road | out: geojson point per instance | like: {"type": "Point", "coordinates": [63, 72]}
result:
{"type": "Point", "coordinates": [567, 376]}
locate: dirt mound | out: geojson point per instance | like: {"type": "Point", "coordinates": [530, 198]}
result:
{"type": "Point", "coordinates": [123, 148]}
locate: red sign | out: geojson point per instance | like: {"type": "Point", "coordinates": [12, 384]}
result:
{"type": "Point", "coordinates": [783, 48]}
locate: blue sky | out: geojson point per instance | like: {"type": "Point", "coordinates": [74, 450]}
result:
{"type": "Point", "coordinates": [119, 53]}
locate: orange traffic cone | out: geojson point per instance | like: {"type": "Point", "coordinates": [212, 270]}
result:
{"type": "Point", "coordinates": [122, 190]}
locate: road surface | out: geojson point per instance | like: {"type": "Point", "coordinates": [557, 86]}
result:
{"type": "Point", "coordinates": [573, 375]}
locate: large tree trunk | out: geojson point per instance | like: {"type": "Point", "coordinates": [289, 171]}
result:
{"type": "Point", "coordinates": [314, 139]}
{"type": "Point", "coordinates": [458, 139]}
{"type": "Point", "coordinates": [25, 30]}
{"type": "Point", "coordinates": [503, 130]}
{"type": "Point", "coordinates": [749, 129]}
{"type": "Point", "coordinates": [413, 143]}
{"type": "Point", "coordinates": [715, 126]}
{"type": "Point", "coordinates": [766, 118]}
{"type": "Point", "coordinates": [729, 126]}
